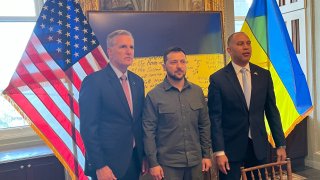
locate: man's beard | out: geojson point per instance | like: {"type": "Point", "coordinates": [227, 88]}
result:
{"type": "Point", "coordinates": [174, 77]}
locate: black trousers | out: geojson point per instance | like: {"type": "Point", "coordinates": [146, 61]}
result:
{"type": "Point", "coordinates": [249, 161]}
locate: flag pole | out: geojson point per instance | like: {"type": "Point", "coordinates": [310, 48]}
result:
{"type": "Point", "coordinates": [72, 119]}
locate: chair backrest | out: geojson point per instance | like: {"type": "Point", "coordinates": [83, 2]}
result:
{"type": "Point", "coordinates": [278, 170]}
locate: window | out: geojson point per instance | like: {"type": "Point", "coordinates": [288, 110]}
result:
{"type": "Point", "coordinates": [17, 19]}
{"type": "Point", "coordinates": [295, 35]}
{"type": "Point", "coordinates": [282, 2]}
{"type": "Point", "coordinates": [241, 8]}
{"type": "Point", "coordinates": [12, 51]}
{"type": "Point", "coordinates": [294, 14]}
{"type": "Point", "coordinates": [17, 8]}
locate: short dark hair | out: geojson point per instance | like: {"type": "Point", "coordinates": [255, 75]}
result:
{"type": "Point", "coordinates": [231, 37]}
{"type": "Point", "coordinates": [171, 49]}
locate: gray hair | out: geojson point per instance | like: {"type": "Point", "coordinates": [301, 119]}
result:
{"type": "Point", "coordinates": [116, 33]}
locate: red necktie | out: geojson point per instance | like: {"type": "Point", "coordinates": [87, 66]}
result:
{"type": "Point", "coordinates": [125, 88]}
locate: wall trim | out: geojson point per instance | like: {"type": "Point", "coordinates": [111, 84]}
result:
{"type": "Point", "coordinates": [312, 163]}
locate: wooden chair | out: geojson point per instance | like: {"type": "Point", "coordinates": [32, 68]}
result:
{"type": "Point", "coordinates": [275, 170]}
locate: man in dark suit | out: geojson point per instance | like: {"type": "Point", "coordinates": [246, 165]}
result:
{"type": "Point", "coordinates": [111, 102]}
{"type": "Point", "coordinates": [239, 96]}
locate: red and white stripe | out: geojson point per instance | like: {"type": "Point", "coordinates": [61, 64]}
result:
{"type": "Point", "coordinates": [45, 93]}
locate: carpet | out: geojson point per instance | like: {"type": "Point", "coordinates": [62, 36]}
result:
{"type": "Point", "coordinates": [294, 177]}
{"type": "Point", "coordinates": [297, 177]}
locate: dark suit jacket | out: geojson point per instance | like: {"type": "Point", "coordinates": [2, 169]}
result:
{"type": "Point", "coordinates": [230, 117]}
{"type": "Point", "coordinates": [106, 124]}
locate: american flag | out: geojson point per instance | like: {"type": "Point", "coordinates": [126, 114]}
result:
{"type": "Point", "coordinates": [45, 86]}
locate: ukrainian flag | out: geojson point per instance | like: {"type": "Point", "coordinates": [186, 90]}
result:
{"type": "Point", "coordinates": [272, 49]}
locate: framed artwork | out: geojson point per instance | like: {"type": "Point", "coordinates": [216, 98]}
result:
{"type": "Point", "coordinates": [116, 5]}
{"type": "Point", "coordinates": [199, 33]}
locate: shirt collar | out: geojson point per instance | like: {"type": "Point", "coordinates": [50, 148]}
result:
{"type": "Point", "coordinates": [168, 86]}
{"type": "Point", "coordinates": [117, 71]}
{"type": "Point", "coordinates": [237, 68]}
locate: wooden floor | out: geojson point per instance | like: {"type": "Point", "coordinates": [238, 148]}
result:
{"type": "Point", "coordinates": [309, 173]}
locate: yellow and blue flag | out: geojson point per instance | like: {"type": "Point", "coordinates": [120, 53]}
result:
{"type": "Point", "coordinates": [272, 49]}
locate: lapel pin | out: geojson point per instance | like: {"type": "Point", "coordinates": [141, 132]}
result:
{"type": "Point", "coordinates": [255, 73]}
